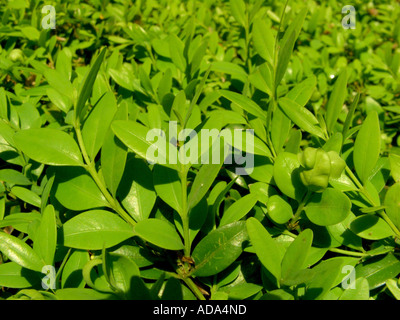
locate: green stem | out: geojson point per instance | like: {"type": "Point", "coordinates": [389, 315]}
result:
{"type": "Point", "coordinates": [337, 250]}
{"type": "Point", "coordinates": [192, 286]}
{"type": "Point", "coordinates": [349, 253]}
{"type": "Point", "coordinates": [90, 168]}
{"type": "Point", "coordinates": [300, 208]}
{"type": "Point", "coordinates": [58, 274]}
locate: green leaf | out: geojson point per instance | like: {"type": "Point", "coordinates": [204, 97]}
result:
{"type": "Point", "coordinates": [176, 48]}
{"type": "Point", "coordinates": [160, 233]}
{"type": "Point", "coordinates": [236, 71]}
{"type": "Point", "coordinates": [60, 83]}
{"type": "Point", "coordinates": [95, 229]}
{"type": "Point", "coordinates": [12, 275]}
{"type": "Point", "coordinates": [350, 116]}
{"type": "Point", "coordinates": [3, 104]}
{"type": "Point", "coordinates": [27, 196]}
{"type": "Point", "coordinates": [172, 290]}
{"type": "Point", "coordinates": [301, 116]}
{"type": "Point", "coordinates": [19, 252]}
{"type": "Point", "coordinates": [219, 249]}
{"type": "Point", "coordinates": [244, 103]}
{"type": "Point", "coordinates": [83, 294]}
{"type": "Point", "coordinates": [303, 91]}
{"type": "Point", "coordinates": [394, 288]}
{"type": "Point", "coordinates": [59, 100]}
{"type": "Point", "coordinates": [76, 190]}
{"type": "Point", "coordinates": [136, 191]}
{"type": "Point", "coordinates": [86, 88]}
{"type": "Point", "coordinates": [284, 57]}
{"type": "Point", "coordinates": [168, 186]}
{"type": "Point", "coordinates": [242, 291]}
{"type": "Point", "coordinates": [358, 293]}
{"type": "Point", "coordinates": [262, 78]}
{"type": "Point", "coordinates": [14, 177]}
{"type": "Point", "coordinates": [202, 183]}
{"type": "Point", "coordinates": [296, 254]}
{"type": "Point", "coordinates": [263, 40]}
{"type": "Point", "coordinates": [140, 139]}
{"type": "Point", "coordinates": [367, 147]}
{"type": "Point", "coordinates": [113, 154]}
{"type": "Point", "coordinates": [279, 210]}
{"type": "Point", "coordinates": [239, 209]}
{"type": "Point", "coordinates": [72, 272]}
{"type": "Point", "coordinates": [278, 294]}
{"type": "Point", "coordinates": [266, 248]}
{"type": "Point", "coordinates": [49, 146]}
{"type": "Point", "coordinates": [379, 269]}
{"type": "Point", "coordinates": [371, 227]}
{"type": "Point", "coordinates": [97, 124]}
{"type": "Point", "coordinates": [336, 101]}
{"type": "Point", "coordinates": [46, 240]}
{"type": "Point", "coordinates": [324, 279]}
{"type": "Point", "coordinates": [392, 204]}
{"type": "Point", "coordinates": [123, 270]}
{"type": "Point", "coordinates": [287, 175]}
{"type": "Point", "coordinates": [328, 208]}
{"type": "Point", "coordinates": [280, 128]}
{"type": "Point", "coordinates": [395, 166]}
{"type": "Point", "coordinates": [238, 10]}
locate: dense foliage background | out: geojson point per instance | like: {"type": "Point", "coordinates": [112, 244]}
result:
{"type": "Point", "coordinates": [79, 203]}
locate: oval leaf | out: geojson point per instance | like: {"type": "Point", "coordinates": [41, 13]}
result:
{"type": "Point", "coordinates": [367, 146]}
{"type": "Point", "coordinates": [219, 249]}
{"type": "Point", "coordinates": [93, 230]}
{"type": "Point", "coordinates": [265, 247]}
{"type": "Point", "coordinates": [160, 233]}
{"type": "Point", "coordinates": [49, 146]}
{"type": "Point", "coordinates": [18, 251]}
{"type": "Point", "coordinates": [328, 208]}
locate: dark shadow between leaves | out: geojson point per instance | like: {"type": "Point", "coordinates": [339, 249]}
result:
{"type": "Point", "coordinates": [300, 188]}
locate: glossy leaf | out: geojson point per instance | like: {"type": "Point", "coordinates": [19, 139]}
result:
{"type": "Point", "coordinates": [46, 239]}
{"type": "Point", "coordinates": [87, 85]}
{"type": "Point", "coordinates": [202, 183]}
{"type": "Point", "coordinates": [93, 230]}
{"type": "Point", "coordinates": [371, 227]}
{"type": "Point", "coordinates": [97, 124]}
{"type": "Point", "coordinates": [263, 40]}
{"type": "Point", "coordinates": [49, 146]}
{"type": "Point", "coordinates": [76, 190]}
{"type": "Point", "coordinates": [114, 154]}
{"type": "Point", "coordinates": [244, 103]}
{"type": "Point", "coordinates": [168, 186]}
{"type": "Point", "coordinates": [328, 208]}
{"type": "Point", "coordinates": [160, 233]}
{"type": "Point", "coordinates": [279, 210]}
{"type": "Point", "coordinates": [19, 252]}
{"type": "Point", "coordinates": [265, 247]}
{"type": "Point", "coordinates": [287, 175]}
{"type": "Point", "coordinates": [392, 204]}
{"type": "Point", "coordinates": [136, 191]}
{"type": "Point", "coordinates": [296, 254]}
{"type": "Point", "coordinates": [367, 147]}
{"type": "Point", "coordinates": [336, 101]}
{"type": "Point", "coordinates": [150, 145]}
{"type": "Point", "coordinates": [12, 275]}
{"type": "Point", "coordinates": [301, 116]}
{"type": "Point", "coordinates": [239, 209]}
{"type": "Point", "coordinates": [219, 249]}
